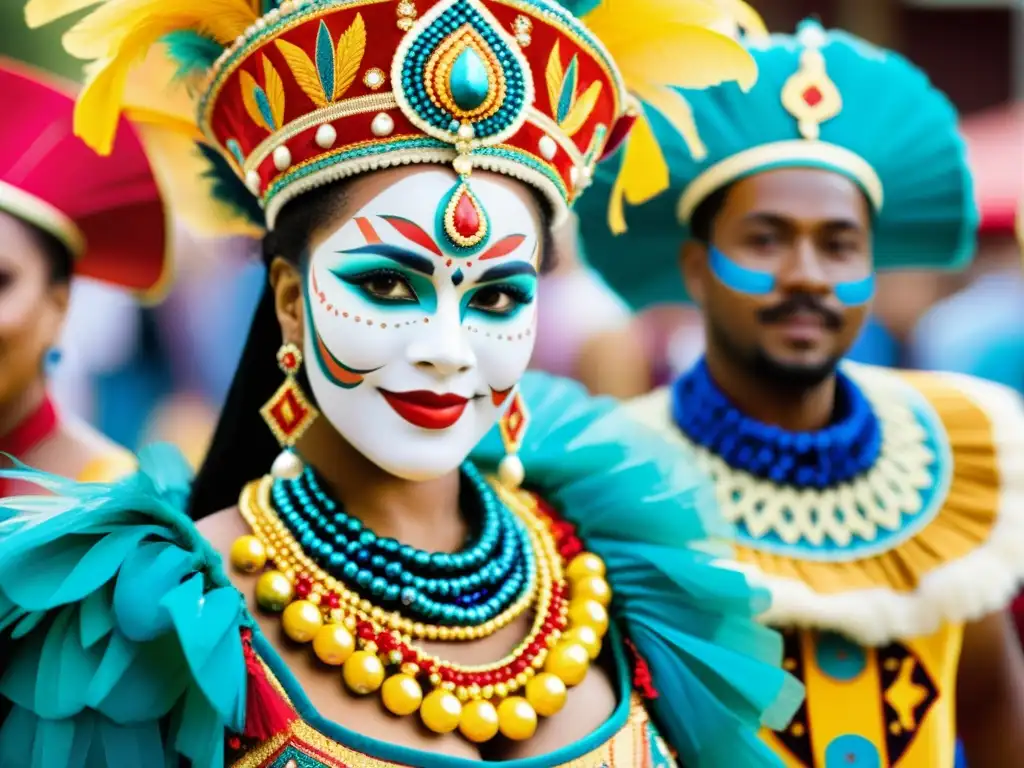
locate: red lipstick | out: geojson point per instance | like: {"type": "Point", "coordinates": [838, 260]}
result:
{"type": "Point", "coordinates": [428, 410]}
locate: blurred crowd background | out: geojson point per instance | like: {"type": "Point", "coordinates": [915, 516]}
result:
{"type": "Point", "coordinates": [141, 374]}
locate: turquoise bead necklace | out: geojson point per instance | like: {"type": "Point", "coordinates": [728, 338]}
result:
{"type": "Point", "coordinates": [467, 588]}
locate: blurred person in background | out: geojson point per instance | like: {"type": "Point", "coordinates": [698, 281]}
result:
{"type": "Point", "coordinates": [64, 213]}
{"type": "Point", "coordinates": [882, 508]}
{"type": "Point", "coordinates": [385, 359]}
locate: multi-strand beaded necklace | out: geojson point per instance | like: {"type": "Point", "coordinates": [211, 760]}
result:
{"type": "Point", "coordinates": [363, 602]}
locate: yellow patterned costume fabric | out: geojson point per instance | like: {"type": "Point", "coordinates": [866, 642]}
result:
{"type": "Point", "coordinates": [874, 579]}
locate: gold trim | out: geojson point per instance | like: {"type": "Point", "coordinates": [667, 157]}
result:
{"type": "Point", "coordinates": [794, 152]}
{"type": "Point", "coordinates": [40, 213]}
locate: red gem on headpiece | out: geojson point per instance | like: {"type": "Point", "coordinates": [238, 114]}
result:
{"type": "Point", "coordinates": [467, 218]}
{"type": "Point", "coordinates": [812, 96]}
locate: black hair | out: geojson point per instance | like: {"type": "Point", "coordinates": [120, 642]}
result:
{"type": "Point", "coordinates": [57, 254]}
{"type": "Point", "coordinates": [703, 219]}
{"type": "Point", "coordinates": [243, 447]}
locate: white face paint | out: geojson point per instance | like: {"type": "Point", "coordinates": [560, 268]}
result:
{"type": "Point", "coordinates": [413, 345]}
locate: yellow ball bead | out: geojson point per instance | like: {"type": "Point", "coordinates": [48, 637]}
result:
{"type": "Point", "coordinates": [274, 591]}
{"type": "Point", "coordinates": [517, 720]}
{"type": "Point", "coordinates": [589, 613]}
{"type": "Point", "coordinates": [546, 694]}
{"type": "Point", "coordinates": [569, 661]}
{"type": "Point", "coordinates": [585, 636]}
{"type": "Point", "coordinates": [301, 621]}
{"type": "Point", "coordinates": [586, 564]}
{"type": "Point", "coordinates": [479, 721]}
{"type": "Point", "coordinates": [441, 711]}
{"type": "Point", "coordinates": [248, 554]}
{"type": "Point", "coordinates": [592, 588]}
{"type": "Point", "coordinates": [363, 673]}
{"type": "Point", "coordinates": [333, 644]}
{"type": "Point", "coordinates": [402, 694]}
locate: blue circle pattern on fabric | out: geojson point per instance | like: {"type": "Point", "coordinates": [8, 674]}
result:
{"type": "Point", "coordinates": [845, 449]}
{"type": "Point", "coordinates": [838, 657]}
{"type": "Point", "coordinates": [852, 751]}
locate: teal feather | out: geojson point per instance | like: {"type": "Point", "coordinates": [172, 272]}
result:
{"type": "Point", "coordinates": [127, 647]}
{"type": "Point", "coordinates": [263, 103]}
{"type": "Point", "coordinates": [568, 95]}
{"type": "Point", "coordinates": [192, 52]}
{"type": "Point", "coordinates": [892, 117]}
{"type": "Point", "coordinates": [229, 189]}
{"type": "Point", "coordinates": [324, 56]}
{"type": "Point", "coordinates": [651, 517]}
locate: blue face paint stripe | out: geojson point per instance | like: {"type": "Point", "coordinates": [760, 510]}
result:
{"type": "Point", "coordinates": [856, 292]}
{"type": "Point", "coordinates": [396, 254]}
{"type": "Point", "coordinates": [756, 283]}
{"type": "Point", "coordinates": [737, 278]}
{"type": "Point", "coordinates": [504, 271]}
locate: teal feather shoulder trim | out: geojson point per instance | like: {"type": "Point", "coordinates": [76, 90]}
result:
{"type": "Point", "coordinates": [124, 636]}
{"type": "Point", "coordinates": [654, 522]}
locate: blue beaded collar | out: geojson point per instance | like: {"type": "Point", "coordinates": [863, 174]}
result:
{"type": "Point", "coordinates": [845, 449]}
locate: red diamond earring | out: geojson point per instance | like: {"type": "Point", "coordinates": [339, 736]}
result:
{"type": "Point", "coordinates": [512, 426]}
{"type": "Point", "coordinates": [288, 413]}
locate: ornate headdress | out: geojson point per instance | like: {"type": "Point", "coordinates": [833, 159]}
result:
{"type": "Point", "coordinates": [108, 213]}
{"type": "Point", "coordinates": [294, 94]}
{"type": "Point", "coordinates": [823, 99]}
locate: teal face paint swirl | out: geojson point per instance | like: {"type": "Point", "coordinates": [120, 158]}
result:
{"type": "Point", "coordinates": [756, 283]}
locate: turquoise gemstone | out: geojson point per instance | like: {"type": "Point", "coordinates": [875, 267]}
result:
{"type": "Point", "coordinates": [468, 82]}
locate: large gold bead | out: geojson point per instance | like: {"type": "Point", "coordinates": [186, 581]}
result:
{"type": "Point", "coordinates": [274, 591]}
{"type": "Point", "coordinates": [479, 721]}
{"type": "Point", "coordinates": [592, 588]}
{"type": "Point", "coordinates": [248, 554]}
{"type": "Point", "coordinates": [517, 720]}
{"type": "Point", "coordinates": [570, 661]}
{"type": "Point", "coordinates": [585, 636]}
{"type": "Point", "coordinates": [441, 711]}
{"type": "Point", "coordinates": [546, 693]}
{"type": "Point", "coordinates": [363, 673]}
{"type": "Point", "coordinates": [301, 621]}
{"type": "Point", "coordinates": [589, 613]}
{"type": "Point", "coordinates": [333, 644]}
{"type": "Point", "coordinates": [586, 564]}
{"type": "Point", "coordinates": [402, 695]}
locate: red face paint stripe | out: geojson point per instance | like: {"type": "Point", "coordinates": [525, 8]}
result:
{"type": "Point", "coordinates": [498, 398]}
{"type": "Point", "coordinates": [367, 231]}
{"type": "Point", "coordinates": [413, 233]}
{"type": "Point", "coordinates": [503, 247]}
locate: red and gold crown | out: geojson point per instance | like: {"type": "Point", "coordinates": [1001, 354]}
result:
{"type": "Point", "coordinates": [296, 94]}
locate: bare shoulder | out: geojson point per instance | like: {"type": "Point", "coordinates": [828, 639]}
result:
{"type": "Point", "coordinates": [221, 529]}
{"type": "Point", "coordinates": [79, 451]}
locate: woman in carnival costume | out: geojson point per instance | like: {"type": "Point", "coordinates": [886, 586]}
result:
{"type": "Point", "coordinates": [882, 508]}
{"type": "Point", "coordinates": [384, 601]}
{"type": "Point", "coordinates": [64, 212]}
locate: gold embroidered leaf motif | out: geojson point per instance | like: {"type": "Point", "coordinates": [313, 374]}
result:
{"type": "Point", "coordinates": [249, 87]}
{"type": "Point", "coordinates": [275, 92]}
{"type": "Point", "coordinates": [351, 48]}
{"type": "Point", "coordinates": [553, 75]}
{"type": "Point", "coordinates": [580, 111]}
{"type": "Point", "coordinates": [303, 70]}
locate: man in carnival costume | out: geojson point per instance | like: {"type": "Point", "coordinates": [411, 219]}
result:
{"type": "Point", "coordinates": [884, 509]}
{"type": "Point", "coordinates": [64, 212]}
{"type": "Point", "coordinates": [387, 602]}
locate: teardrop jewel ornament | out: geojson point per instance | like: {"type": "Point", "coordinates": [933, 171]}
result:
{"type": "Point", "coordinates": [462, 222]}
{"type": "Point", "coordinates": [460, 77]}
{"type": "Point", "coordinates": [288, 413]}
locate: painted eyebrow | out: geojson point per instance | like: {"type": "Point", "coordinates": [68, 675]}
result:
{"type": "Point", "coordinates": [503, 271]}
{"type": "Point", "coordinates": [411, 260]}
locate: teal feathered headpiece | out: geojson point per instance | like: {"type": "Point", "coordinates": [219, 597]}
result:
{"type": "Point", "coordinates": [823, 99]}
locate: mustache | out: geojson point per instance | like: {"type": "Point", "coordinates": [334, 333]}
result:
{"type": "Point", "coordinates": [800, 302]}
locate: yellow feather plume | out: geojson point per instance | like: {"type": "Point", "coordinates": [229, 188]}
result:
{"type": "Point", "coordinates": [349, 56]}
{"type": "Point", "coordinates": [581, 109]}
{"type": "Point", "coordinates": [38, 13]}
{"type": "Point", "coordinates": [657, 43]}
{"type": "Point", "coordinates": [249, 85]}
{"type": "Point", "coordinates": [274, 88]}
{"type": "Point", "coordinates": [303, 70]}
{"type": "Point", "coordinates": [553, 75]}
